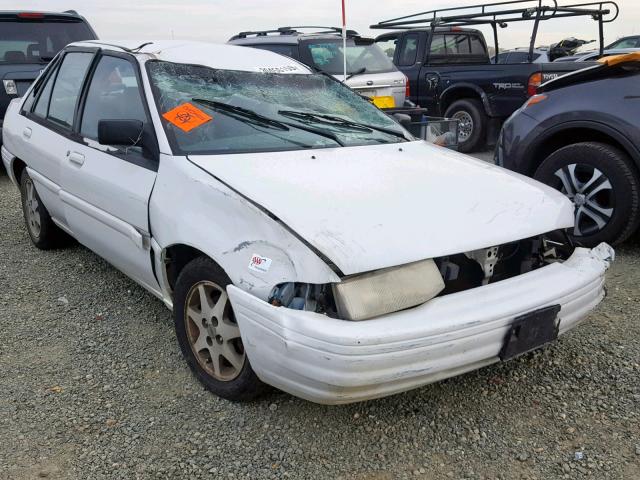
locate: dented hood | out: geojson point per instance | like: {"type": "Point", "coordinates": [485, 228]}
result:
{"type": "Point", "coordinates": [373, 207]}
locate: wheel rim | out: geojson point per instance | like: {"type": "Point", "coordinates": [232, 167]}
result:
{"type": "Point", "coordinates": [592, 195]}
{"type": "Point", "coordinates": [212, 332]}
{"type": "Point", "coordinates": [33, 210]}
{"type": "Point", "coordinates": [465, 125]}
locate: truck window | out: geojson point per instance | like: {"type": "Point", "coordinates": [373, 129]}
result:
{"type": "Point", "coordinates": [477, 47]}
{"type": "Point", "coordinates": [409, 49]}
{"type": "Point", "coordinates": [438, 46]}
{"type": "Point", "coordinates": [457, 44]}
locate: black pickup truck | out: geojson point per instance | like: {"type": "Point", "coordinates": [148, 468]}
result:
{"type": "Point", "coordinates": [449, 68]}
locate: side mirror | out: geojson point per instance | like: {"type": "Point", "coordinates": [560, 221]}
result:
{"type": "Point", "coordinates": [120, 132]}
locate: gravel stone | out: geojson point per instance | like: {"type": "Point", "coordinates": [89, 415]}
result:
{"type": "Point", "coordinates": [97, 388]}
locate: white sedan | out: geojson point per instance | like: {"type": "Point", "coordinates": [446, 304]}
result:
{"type": "Point", "coordinates": [302, 237]}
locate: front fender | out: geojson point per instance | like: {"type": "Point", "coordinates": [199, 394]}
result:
{"type": "Point", "coordinates": [190, 207]}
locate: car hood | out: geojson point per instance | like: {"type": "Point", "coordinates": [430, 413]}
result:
{"type": "Point", "coordinates": [373, 207]}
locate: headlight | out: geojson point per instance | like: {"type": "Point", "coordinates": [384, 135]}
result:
{"type": "Point", "coordinates": [10, 87]}
{"type": "Point", "coordinates": [384, 291]}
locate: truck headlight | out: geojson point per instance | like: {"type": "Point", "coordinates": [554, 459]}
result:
{"type": "Point", "coordinates": [389, 290]}
{"type": "Point", "coordinates": [10, 87]}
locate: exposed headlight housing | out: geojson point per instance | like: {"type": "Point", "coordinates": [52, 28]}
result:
{"type": "Point", "coordinates": [361, 297]}
{"type": "Point", "coordinates": [10, 87]}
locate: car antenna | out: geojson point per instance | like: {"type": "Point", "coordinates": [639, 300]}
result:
{"type": "Point", "coordinates": [137, 49]}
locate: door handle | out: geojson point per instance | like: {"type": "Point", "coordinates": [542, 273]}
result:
{"type": "Point", "coordinates": [26, 133]}
{"type": "Point", "coordinates": [76, 158]}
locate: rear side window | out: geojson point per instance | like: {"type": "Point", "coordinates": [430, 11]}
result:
{"type": "Point", "coordinates": [42, 107]}
{"type": "Point", "coordinates": [409, 50]}
{"type": "Point", "coordinates": [521, 57]}
{"type": "Point", "coordinates": [438, 47]}
{"type": "Point", "coordinates": [66, 88]}
{"type": "Point", "coordinates": [457, 44]}
{"type": "Point", "coordinates": [388, 46]}
{"type": "Point", "coordinates": [283, 49]}
{"type": "Point", "coordinates": [38, 41]}
{"type": "Point", "coordinates": [113, 95]}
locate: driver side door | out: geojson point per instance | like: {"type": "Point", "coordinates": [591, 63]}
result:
{"type": "Point", "coordinates": [106, 188]}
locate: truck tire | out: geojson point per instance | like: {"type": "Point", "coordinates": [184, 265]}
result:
{"type": "Point", "coordinates": [208, 334]}
{"type": "Point", "coordinates": [472, 123]}
{"type": "Point", "coordinates": [604, 187]}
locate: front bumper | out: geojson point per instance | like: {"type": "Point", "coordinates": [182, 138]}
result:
{"type": "Point", "coordinates": [335, 361]}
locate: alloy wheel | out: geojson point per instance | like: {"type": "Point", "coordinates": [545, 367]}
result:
{"type": "Point", "coordinates": [592, 195]}
{"type": "Point", "coordinates": [465, 125]}
{"type": "Point", "coordinates": [32, 209]}
{"type": "Point", "coordinates": [212, 332]}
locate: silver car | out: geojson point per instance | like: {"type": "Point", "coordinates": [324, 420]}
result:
{"type": "Point", "coordinates": [370, 72]}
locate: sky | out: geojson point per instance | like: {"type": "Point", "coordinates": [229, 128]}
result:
{"type": "Point", "coordinates": [217, 20]}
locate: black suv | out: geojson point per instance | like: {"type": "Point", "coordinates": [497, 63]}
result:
{"type": "Point", "coordinates": [30, 40]}
{"type": "Point", "coordinates": [581, 135]}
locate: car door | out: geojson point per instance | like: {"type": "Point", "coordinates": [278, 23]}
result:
{"type": "Point", "coordinates": [409, 61]}
{"type": "Point", "coordinates": [47, 126]}
{"type": "Point", "coordinates": [106, 189]}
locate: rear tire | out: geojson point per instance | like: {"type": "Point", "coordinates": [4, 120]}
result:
{"type": "Point", "coordinates": [472, 123]}
{"type": "Point", "coordinates": [208, 334]}
{"type": "Point", "coordinates": [604, 186]}
{"type": "Point", "coordinates": [43, 232]}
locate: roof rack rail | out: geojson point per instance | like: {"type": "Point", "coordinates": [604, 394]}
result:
{"type": "Point", "coordinates": [500, 14]}
{"type": "Point", "coordinates": [295, 30]}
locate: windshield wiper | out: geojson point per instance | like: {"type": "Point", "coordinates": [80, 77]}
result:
{"type": "Point", "coordinates": [360, 71]}
{"type": "Point", "coordinates": [339, 121]}
{"type": "Point", "coordinates": [245, 113]}
{"type": "Point", "coordinates": [255, 117]}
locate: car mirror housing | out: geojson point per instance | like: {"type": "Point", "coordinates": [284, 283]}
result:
{"type": "Point", "coordinates": [120, 132]}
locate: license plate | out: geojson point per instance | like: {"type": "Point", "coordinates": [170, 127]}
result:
{"type": "Point", "coordinates": [531, 331]}
{"type": "Point", "coordinates": [384, 102]}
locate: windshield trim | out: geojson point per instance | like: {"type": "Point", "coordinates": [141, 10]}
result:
{"type": "Point", "coordinates": [178, 151]}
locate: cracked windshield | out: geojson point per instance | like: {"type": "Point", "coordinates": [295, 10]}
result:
{"type": "Point", "coordinates": [210, 111]}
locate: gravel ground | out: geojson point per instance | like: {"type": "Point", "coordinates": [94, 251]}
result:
{"type": "Point", "coordinates": [92, 386]}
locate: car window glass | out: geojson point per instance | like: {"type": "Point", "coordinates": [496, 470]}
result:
{"type": "Point", "coordinates": [626, 43]}
{"type": "Point", "coordinates": [437, 45]}
{"type": "Point", "coordinates": [114, 94]}
{"type": "Point", "coordinates": [328, 56]}
{"type": "Point", "coordinates": [457, 44]}
{"type": "Point", "coordinates": [477, 47]}
{"type": "Point", "coordinates": [282, 49]}
{"type": "Point", "coordinates": [502, 58]}
{"type": "Point", "coordinates": [409, 50]}
{"type": "Point", "coordinates": [388, 45]}
{"type": "Point", "coordinates": [66, 89]}
{"type": "Point", "coordinates": [42, 107]}
{"type": "Point", "coordinates": [518, 57]}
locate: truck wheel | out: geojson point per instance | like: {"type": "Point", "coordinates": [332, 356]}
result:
{"type": "Point", "coordinates": [208, 333]}
{"type": "Point", "coordinates": [472, 122]}
{"type": "Point", "coordinates": [43, 232]}
{"type": "Point", "coordinates": [604, 187]}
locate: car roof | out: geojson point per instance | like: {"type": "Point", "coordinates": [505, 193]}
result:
{"type": "Point", "coordinates": [219, 56]}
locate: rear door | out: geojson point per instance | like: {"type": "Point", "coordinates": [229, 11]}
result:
{"type": "Point", "coordinates": [106, 189]}
{"type": "Point", "coordinates": [408, 59]}
{"type": "Point", "coordinates": [47, 126]}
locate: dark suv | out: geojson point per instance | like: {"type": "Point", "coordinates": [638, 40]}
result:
{"type": "Point", "coordinates": [28, 41]}
{"type": "Point", "coordinates": [581, 135]}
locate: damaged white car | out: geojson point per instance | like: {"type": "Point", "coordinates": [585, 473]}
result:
{"type": "Point", "coordinates": [302, 237]}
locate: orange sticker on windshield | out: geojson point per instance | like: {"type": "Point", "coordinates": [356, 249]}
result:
{"type": "Point", "coordinates": [186, 117]}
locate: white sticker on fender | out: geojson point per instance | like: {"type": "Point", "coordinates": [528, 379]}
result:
{"type": "Point", "coordinates": [259, 263]}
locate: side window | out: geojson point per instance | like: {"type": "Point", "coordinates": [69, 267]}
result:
{"type": "Point", "coordinates": [409, 50]}
{"type": "Point", "coordinates": [477, 47]}
{"type": "Point", "coordinates": [42, 107]}
{"type": "Point", "coordinates": [114, 94]}
{"type": "Point", "coordinates": [388, 46]}
{"type": "Point", "coordinates": [66, 89]}
{"type": "Point", "coordinates": [438, 46]}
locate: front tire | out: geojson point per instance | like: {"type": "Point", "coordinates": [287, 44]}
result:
{"type": "Point", "coordinates": [472, 123]}
{"type": "Point", "coordinates": [208, 334]}
{"type": "Point", "coordinates": [43, 232]}
{"type": "Point", "coordinates": [602, 183]}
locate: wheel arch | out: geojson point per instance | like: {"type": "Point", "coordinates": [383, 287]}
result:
{"type": "Point", "coordinates": [175, 257]}
{"type": "Point", "coordinates": [461, 91]}
{"type": "Point", "coordinates": [17, 167]}
{"type": "Point", "coordinates": [577, 132]}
